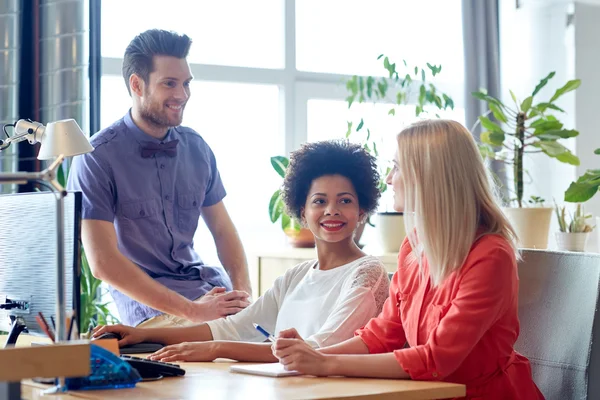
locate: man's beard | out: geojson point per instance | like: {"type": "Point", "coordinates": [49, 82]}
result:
{"type": "Point", "coordinates": [156, 118]}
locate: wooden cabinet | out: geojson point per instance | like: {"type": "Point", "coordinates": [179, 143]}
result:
{"type": "Point", "coordinates": [269, 265]}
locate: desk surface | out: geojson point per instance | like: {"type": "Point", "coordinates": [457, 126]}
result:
{"type": "Point", "coordinates": [214, 381]}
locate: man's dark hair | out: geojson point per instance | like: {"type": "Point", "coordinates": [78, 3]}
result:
{"type": "Point", "coordinates": [331, 157]}
{"type": "Point", "coordinates": [139, 55]}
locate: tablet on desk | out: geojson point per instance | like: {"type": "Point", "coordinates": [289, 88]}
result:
{"type": "Point", "coordinates": [271, 369]}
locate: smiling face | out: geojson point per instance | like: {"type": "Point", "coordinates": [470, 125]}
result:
{"type": "Point", "coordinates": [332, 211]}
{"type": "Point", "coordinates": [163, 99]}
{"type": "Point", "coordinates": [394, 179]}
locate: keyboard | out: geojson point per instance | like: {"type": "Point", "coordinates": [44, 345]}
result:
{"type": "Point", "coordinates": [152, 370]}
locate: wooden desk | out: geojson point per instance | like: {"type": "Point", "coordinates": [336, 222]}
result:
{"type": "Point", "coordinates": [214, 381]}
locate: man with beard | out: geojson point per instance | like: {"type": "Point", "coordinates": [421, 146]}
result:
{"type": "Point", "coordinates": [145, 186]}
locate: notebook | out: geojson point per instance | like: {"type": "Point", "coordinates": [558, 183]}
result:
{"type": "Point", "coordinates": [271, 369]}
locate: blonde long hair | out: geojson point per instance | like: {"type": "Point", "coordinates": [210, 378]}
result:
{"type": "Point", "coordinates": [448, 195]}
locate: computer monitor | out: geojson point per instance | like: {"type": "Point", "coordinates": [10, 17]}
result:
{"type": "Point", "coordinates": [28, 255]}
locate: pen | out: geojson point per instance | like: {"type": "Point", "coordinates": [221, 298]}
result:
{"type": "Point", "coordinates": [264, 332]}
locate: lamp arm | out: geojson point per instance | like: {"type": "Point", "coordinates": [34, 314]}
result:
{"type": "Point", "coordinates": [24, 129]}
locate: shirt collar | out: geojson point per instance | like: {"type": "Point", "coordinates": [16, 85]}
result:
{"type": "Point", "coordinates": [142, 137]}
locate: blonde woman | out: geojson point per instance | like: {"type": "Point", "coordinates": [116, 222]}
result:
{"type": "Point", "coordinates": [453, 299]}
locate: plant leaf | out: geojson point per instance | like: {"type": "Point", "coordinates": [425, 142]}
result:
{"type": "Point", "coordinates": [580, 193]}
{"type": "Point", "coordinates": [568, 158]}
{"type": "Point", "coordinates": [512, 95]}
{"type": "Point", "coordinates": [542, 83]}
{"type": "Point", "coordinates": [275, 206]}
{"type": "Point", "coordinates": [360, 125]}
{"type": "Point", "coordinates": [543, 106]}
{"type": "Point", "coordinates": [492, 138]}
{"type": "Point", "coordinates": [569, 86]}
{"type": "Point", "coordinates": [498, 113]}
{"type": "Point", "coordinates": [285, 221]}
{"type": "Point", "coordinates": [392, 111]}
{"type": "Point", "coordinates": [557, 134]}
{"type": "Point", "coordinates": [597, 151]}
{"type": "Point", "coordinates": [349, 131]}
{"type": "Point", "coordinates": [280, 164]}
{"type": "Point", "coordinates": [526, 104]}
{"type": "Point", "coordinates": [489, 125]}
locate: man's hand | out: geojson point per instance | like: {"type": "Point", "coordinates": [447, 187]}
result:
{"type": "Point", "coordinates": [217, 304]}
{"type": "Point", "coordinates": [195, 351]}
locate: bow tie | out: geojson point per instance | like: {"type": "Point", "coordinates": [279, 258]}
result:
{"type": "Point", "coordinates": [169, 148]}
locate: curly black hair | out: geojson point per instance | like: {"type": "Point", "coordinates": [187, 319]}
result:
{"type": "Point", "coordinates": [331, 157]}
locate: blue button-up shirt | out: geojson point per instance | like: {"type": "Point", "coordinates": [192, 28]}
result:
{"type": "Point", "coordinates": [154, 203]}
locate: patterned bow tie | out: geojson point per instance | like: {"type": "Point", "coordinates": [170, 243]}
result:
{"type": "Point", "coordinates": [169, 148]}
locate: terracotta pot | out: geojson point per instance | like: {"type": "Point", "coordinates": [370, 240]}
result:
{"type": "Point", "coordinates": [302, 238]}
{"type": "Point", "coordinates": [531, 224]}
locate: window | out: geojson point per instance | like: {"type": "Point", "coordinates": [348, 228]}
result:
{"type": "Point", "coordinates": [240, 123]}
{"type": "Point", "coordinates": [249, 105]}
{"type": "Point", "coordinates": [228, 32]}
{"type": "Point", "coordinates": [347, 36]}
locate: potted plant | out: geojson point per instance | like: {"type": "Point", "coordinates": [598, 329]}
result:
{"type": "Point", "coordinates": [518, 130]}
{"type": "Point", "coordinates": [585, 187]}
{"type": "Point", "coordinates": [403, 85]}
{"type": "Point", "coordinates": [572, 236]}
{"type": "Point", "coordinates": [297, 235]}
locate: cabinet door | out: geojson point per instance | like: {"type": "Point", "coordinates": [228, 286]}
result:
{"type": "Point", "coordinates": [270, 268]}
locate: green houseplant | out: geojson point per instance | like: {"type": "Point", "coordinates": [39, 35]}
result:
{"type": "Point", "coordinates": [402, 86]}
{"type": "Point", "coordinates": [298, 236]}
{"type": "Point", "coordinates": [585, 187]}
{"type": "Point", "coordinates": [518, 130]}
{"type": "Point", "coordinates": [572, 235]}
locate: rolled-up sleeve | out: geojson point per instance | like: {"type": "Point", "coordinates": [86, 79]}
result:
{"type": "Point", "coordinates": [93, 178]}
{"type": "Point", "coordinates": [384, 333]}
{"type": "Point", "coordinates": [485, 291]}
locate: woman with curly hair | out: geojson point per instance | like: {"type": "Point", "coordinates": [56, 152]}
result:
{"type": "Point", "coordinates": [332, 187]}
{"type": "Point", "coordinates": [452, 311]}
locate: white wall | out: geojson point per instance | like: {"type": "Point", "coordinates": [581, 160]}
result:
{"type": "Point", "coordinates": [562, 36]}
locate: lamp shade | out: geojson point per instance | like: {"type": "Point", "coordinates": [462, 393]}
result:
{"type": "Point", "coordinates": [63, 137]}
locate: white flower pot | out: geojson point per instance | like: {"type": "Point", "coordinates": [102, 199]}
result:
{"type": "Point", "coordinates": [390, 231]}
{"type": "Point", "coordinates": [531, 224]}
{"type": "Point", "coordinates": [567, 241]}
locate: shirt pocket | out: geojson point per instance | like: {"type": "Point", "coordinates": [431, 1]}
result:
{"type": "Point", "coordinates": [140, 218]}
{"type": "Point", "coordinates": [188, 211]}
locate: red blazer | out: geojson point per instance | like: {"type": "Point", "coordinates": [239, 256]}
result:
{"type": "Point", "coordinates": [462, 331]}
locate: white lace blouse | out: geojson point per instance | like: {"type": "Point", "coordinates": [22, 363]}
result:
{"type": "Point", "coordinates": [325, 307]}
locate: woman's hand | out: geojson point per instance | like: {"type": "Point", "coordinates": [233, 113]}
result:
{"type": "Point", "coordinates": [297, 355]}
{"type": "Point", "coordinates": [187, 351]}
{"type": "Point", "coordinates": [128, 335]}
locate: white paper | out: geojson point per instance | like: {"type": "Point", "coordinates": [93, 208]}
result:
{"type": "Point", "coordinates": [270, 369]}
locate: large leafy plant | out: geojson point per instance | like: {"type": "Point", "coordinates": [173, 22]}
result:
{"type": "Point", "coordinates": [276, 205]}
{"type": "Point", "coordinates": [585, 187]}
{"type": "Point", "coordinates": [402, 86]}
{"type": "Point", "coordinates": [525, 128]}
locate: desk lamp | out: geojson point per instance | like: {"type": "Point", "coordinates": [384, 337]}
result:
{"type": "Point", "coordinates": [58, 140]}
